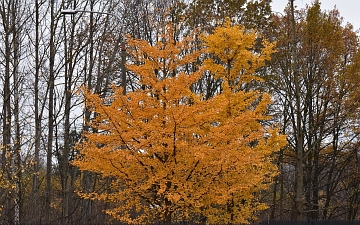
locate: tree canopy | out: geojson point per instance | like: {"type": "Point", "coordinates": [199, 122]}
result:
{"type": "Point", "coordinates": [207, 83]}
{"type": "Point", "coordinates": [173, 155]}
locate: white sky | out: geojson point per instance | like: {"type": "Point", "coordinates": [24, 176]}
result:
{"type": "Point", "coordinates": [349, 9]}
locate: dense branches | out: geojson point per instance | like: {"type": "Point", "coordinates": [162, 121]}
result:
{"type": "Point", "coordinates": [208, 54]}
{"type": "Point", "coordinates": [172, 155]}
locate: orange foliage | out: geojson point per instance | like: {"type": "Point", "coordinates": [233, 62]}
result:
{"type": "Point", "coordinates": [173, 155]}
{"type": "Point", "coordinates": [240, 55]}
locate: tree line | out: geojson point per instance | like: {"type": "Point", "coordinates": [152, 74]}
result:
{"type": "Point", "coordinates": [48, 58]}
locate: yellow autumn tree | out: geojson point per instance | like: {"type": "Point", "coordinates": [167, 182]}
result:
{"type": "Point", "coordinates": [174, 156]}
{"type": "Point", "coordinates": [236, 53]}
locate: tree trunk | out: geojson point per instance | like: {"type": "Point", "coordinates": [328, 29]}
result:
{"type": "Point", "coordinates": [299, 174]}
{"type": "Point", "coordinates": [65, 154]}
{"type": "Point", "coordinates": [86, 206]}
{"type": "Point", "coordinates": [17, 141]}
{"type": "Point", "coordinates": [51, 114]}
{"type": "Point", "coordinates": [6, 145]}
{"type": "Point", "coordinates": [35, 185]}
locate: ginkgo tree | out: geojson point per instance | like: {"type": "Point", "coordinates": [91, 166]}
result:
{"type": "Point", "coordinates": [171, 154]}
{"type": "Point", "coordinates": [236, 53]}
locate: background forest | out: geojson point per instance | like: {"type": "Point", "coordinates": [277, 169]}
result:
{"type": "Point", "coordinates": [313, 79]}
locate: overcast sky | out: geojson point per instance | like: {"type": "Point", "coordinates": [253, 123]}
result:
{"type": "Point", "coordinates": [349, 9]}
